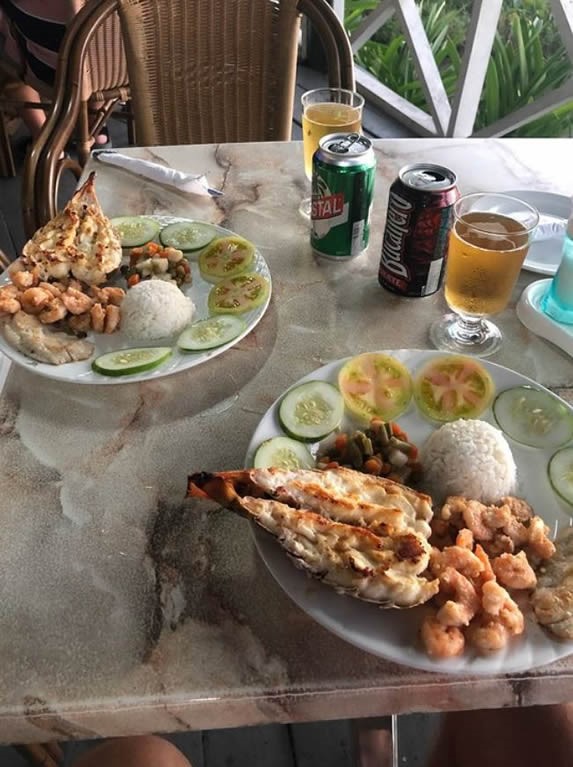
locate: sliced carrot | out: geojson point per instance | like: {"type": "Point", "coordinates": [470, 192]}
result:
{"type": "Point", "coordinates": [341, 441]}
{"type": "Point", "coordinates": [373, 465]}
{"type": "Point", "coordinates": [398, 432]}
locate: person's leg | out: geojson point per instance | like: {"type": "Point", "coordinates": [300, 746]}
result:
{"type": "Point", "coordinates": [32, 117]}
{"type": "Point", "coordinates": [143, 751]}
{"type": "Point", "coordinates": [509, 737]}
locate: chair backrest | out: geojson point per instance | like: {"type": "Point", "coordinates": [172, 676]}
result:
{"type": "Point", "coordinates": [106, 66]}
{"type": "Point", "coordinates": [199, 71]}
{"type": "Point", "coordinates": [217, 71]}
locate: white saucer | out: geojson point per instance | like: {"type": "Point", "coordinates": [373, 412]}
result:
{"type": "Point", "coordinates": [545, 254]}
{"type": "Point", "coordinates": [529, 312]}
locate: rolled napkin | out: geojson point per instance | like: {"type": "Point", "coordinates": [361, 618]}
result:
{"type": "Point", "coordinates": [184, 182]}
{"type": "Point", "coordinates": [549, 228]}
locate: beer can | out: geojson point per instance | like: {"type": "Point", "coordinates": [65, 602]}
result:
{"type": "Point", "coordinates": [418, 222]}
{"type": "Point", "coordinates": [343, 169]}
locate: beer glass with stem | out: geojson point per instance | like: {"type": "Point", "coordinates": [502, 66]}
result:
{"type": "Point", "coordinates": [488, 243]}
{"type": "Point", "coordinates": [324, 111]}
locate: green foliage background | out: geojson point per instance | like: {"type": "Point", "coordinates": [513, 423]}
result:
{"type": "Point", "coordinates": [528, 58]}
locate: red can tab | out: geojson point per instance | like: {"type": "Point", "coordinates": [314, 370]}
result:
{"type": "Point", "coordinates": [327, 207]}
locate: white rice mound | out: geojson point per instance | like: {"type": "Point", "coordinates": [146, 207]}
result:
{"type": "Point", "coordinates": [469, 458]}
{"type": "Point", "coordinates": [155, 309]}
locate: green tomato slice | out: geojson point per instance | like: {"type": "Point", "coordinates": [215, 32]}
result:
{"type": "Point", "coordinates": [226, 257]}
{"type": "Point", "coordinates": [375, 385]}
{"type": "Point", "coordinates": [239, 294]}
{"type": "Point", "coordinates": [129, 361]}
{"type": "Point", "coordinates": [453, 387]}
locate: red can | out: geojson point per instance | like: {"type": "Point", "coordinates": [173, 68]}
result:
{"type": "Point", "coordinates": [418, 223]}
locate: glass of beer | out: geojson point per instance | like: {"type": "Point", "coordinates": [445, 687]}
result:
{"type": "Point", "coordinates": [487, 245]}
{"type": "Point", "coordinates": [324, 111]}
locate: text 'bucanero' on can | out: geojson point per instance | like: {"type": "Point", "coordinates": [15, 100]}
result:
{"type": "Point", "coordinates": [343, 170]}
{"type": "Point", "coordinates": [418, 222]}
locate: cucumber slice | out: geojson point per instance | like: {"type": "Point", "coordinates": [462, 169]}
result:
{"type": "Point", "coordinates": [533, 417]}
{"type": "Point", "coordinates": [134, 231]}
{"type": "Point", "coordinates": [560, 471]}
{"type": "Point", "coordinates": [210, 333]}
{"type": "Point", "coordinates": [311, 410]}
{"type": "Point", "coordinates": [187, 235]}
{"type": "Point", "coordinates": [283, 453]}
{"type": "Point", "coordinates": [129, 361]}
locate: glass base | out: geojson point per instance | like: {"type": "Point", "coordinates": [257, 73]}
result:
{"type": "Point", "coordinates": [478, 337]}
{"type": "Point", "coordinates": [304, 208]}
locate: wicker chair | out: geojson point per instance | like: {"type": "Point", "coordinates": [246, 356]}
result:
{"type": "Point", "coordinates": [199, 71]}
{"type": "Point", "coordinates": [103, 83]}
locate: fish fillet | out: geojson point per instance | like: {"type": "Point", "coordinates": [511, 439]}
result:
{"type": "Point", "coordinates": [27, 334]}
{"type": "Point", "coordinates": [552, 600]}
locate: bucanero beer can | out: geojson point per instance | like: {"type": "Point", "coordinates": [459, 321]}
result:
{"type": "Point", "coordinates": [343, 169]}
{"type": "Point", "coordinates": [418, 222]}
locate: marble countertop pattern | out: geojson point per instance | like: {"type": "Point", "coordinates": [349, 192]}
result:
{"type": "Point", "coordinates": [125, 609]}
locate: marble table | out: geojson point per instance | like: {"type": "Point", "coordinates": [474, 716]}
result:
{"type": "Point", "coordinates": [125, 609]}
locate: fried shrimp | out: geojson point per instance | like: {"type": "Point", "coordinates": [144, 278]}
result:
{"type": "Point", "coordinates": [461, 559]}
{"type": "Point", "coordinates": [112, 318]}
{"type": "Point", "coordinates": [76, 301]}
{"type": "Point", "coordinates": [441, 641]}
{"type": "Point", "coordinates": [463, 603]}
{"type": "Point", "coordinates": [97, 313]}
{"type": "Point", "coordinates": [498, 604]}
{"type": "Point", "coordinates": [493, 597]}
{"type": "Point", "coordinates": [24, 279]}
{"type": "Point", "coordinates": [35, 300]}
{"type": "Point", "coordinates": [106, 296]}
{"type": "Point", "coordinates": [538, 544]}
{"type": "Point", "coordinates": [487, 574]}
{"type": "Point", "coordinates": [465, 539]}
{"type": "Point", "coordinates": [487, 635]}
{"type": "Point", "coordinates": [54, 288]}
{"type": "Point", "coordinates": [514, 571]}
{"type": "Point", "coordinates": [52, 312]}
{"type": "Point", "coordinates": [9, 305]}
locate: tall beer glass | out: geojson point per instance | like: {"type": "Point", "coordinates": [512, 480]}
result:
{"type": "Point", "coordinates": [488, 243]}
{"type": "Point", "coordinates": [324, 111]}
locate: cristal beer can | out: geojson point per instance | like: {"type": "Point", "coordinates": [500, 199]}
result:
{"type": "Point", "coordinates": [418, 222]}
{"type": "Point", "coordinates": [343, 170]}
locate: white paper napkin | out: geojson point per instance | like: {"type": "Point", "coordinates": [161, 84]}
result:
{"type": "Point", "coordinates": [184, 182]}
{"type": "Point", "coordinates": [549, 228]}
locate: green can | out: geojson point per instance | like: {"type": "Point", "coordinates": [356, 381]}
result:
{"type": "Point", "coordinates": [343, 170]}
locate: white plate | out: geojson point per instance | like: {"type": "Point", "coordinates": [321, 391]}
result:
{"type": "Point", "coordinates": [393, 634]}
{"type": "Point", "coordinates": [198, 291]}
{"type": "Point", "coordinates": [544, 255]}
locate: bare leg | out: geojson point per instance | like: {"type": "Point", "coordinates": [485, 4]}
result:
{"type": "Point", "coordinates": [144, 751]}
{"type": "Point", "coordinates": [509, 737]}
{"type": "Point", "coordinates": [33, 117]}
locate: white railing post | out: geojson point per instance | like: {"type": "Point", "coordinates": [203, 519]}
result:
{"type": "Point", "coordinates": [481, 34]}
{"type": "Point", "coordinates": [444, 119]}
{"type": "Point", "coordinates": [372, 23]}
{"type": "Point", "coordinates": [426, 66]}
